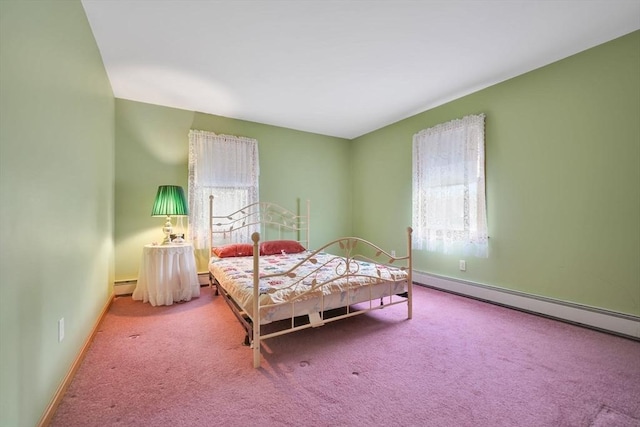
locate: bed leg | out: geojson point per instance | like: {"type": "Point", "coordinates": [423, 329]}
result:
{"type": "Point", "coordinates": [255, 344]}
{"type": "Point", "coordinates": [256, 353]}
{"type": "Point", "coordinates": [212, 283]}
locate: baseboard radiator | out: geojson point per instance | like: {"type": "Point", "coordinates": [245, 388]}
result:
{"type": "Point", "coordinates": [592, 317]}
{"type": "Point", "coordinates": [126, 287]}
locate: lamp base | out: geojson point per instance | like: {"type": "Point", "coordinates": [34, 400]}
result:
{"type": "Point", "coordinates": [167, 230]}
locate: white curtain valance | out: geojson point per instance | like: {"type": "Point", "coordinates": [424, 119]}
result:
{"type": "Point", "coordinates": [226, 161]}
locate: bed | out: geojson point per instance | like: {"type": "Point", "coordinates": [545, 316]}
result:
{"type": "Point", "coordinates": [263, 266]}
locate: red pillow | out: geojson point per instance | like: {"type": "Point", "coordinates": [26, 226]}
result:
{"type": "Point", "coordinates": [233, 249]}
{"type": "Point", "coordinates": [273, 247]}
{"type": "Point", "coordinates": [244, 249]}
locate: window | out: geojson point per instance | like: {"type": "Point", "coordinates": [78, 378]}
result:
{"type": "Point", "coordinates": [227, 168]}
{"type": "Point", "coordinates": [449, 206]}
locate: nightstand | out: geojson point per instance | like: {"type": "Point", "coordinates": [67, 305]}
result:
{"type": "Point", "coordinates": [167, 274]}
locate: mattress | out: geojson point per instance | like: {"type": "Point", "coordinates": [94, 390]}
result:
{"type": "Point", "coordinates": [317, 284]}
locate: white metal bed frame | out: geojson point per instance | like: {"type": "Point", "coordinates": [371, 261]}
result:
{"type": "Point", "coordinates": [268, 215]}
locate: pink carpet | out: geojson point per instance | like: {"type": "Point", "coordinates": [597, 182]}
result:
{"type": "Point", "coordinates": [458, 362]}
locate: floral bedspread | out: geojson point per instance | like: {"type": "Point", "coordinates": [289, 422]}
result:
{"type": "Point", "coordinates": [321, 274]}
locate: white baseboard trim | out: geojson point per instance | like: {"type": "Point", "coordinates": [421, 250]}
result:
{"type": "Point", "coordinates": [609, 321]}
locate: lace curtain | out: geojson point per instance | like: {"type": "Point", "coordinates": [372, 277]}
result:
{"type": "Point", "coordinates": [449, 206]}
{"type": "Point", "coordinates": [223, 166]}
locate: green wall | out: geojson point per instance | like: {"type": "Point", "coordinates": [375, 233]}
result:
{"type": "Point", "coordinates": [563, 180]}
{"type": "Point", "coordinates": [152, 149]}
{"type": "Point", "coordinates": [79, 170]}
{"type": "Point", "coordinates": [56, 185]}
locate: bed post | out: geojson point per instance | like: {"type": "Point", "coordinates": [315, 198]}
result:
{"type": "Point", "coordinates": [255, 237]}
{"type": "Point", "coordinates": [308, 223]}
{"type": "Point", "coordinates": [409, 275]}
{"type": "Point", "coordinates": [210, 224]}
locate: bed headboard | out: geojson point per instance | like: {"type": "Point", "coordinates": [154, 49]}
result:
{"type": "Point", "coordinates": [272, 221]}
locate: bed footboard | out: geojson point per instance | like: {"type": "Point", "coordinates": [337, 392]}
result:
{"type": "Point", "coordinates": [353, 267]}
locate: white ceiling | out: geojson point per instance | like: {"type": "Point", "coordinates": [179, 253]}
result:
{"type": "Point", "coordinates": [337, 67]}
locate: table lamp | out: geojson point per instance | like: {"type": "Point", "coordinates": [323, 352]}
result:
{"type": "Point", "coordinates": [170, 200]}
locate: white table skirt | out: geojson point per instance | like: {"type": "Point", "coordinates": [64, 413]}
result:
{"type": "Point", "coordinates": [167, 275]}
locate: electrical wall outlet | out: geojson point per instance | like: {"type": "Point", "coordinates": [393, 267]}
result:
{"type": "Point", "coordinates": [393, 252]}
{"type": "Point", "coordinates": [463, 265]}
{"type": "Point", "coordinates": [61, 329]}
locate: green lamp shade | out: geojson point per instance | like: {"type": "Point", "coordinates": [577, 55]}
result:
{"type": "Point", "coordinates": [170, 200]}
